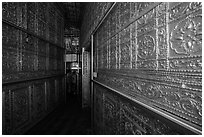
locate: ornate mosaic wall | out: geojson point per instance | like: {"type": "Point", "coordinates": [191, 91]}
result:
{"type": "Point", "coordinates": [32, 63]}
{"type": "Point", "coordinates": [152, 52]}
{"type": "Point", "coordinates": [115, 114]}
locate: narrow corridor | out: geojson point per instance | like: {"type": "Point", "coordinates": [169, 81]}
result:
{"type": "Point", "coordinates": [101, 68]}
{"type": "Point", "coordinates": [69, 119]}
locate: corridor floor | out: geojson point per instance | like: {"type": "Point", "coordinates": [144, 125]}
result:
{"type": "Point", "coordinates": [69, 119]}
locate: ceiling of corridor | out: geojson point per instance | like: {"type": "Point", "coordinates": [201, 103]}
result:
{"type": "Point", "coordinates": [72, 13]}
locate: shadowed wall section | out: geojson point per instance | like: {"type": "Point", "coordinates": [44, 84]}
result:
{"type": "Point", "coordinates": [151, 53]}
{"type": "Point", "coordinates": [32, 63]}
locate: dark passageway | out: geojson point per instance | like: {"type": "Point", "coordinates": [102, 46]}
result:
{"type": "Point", "coordinates": [102, 68]}
{"type": "Point", "coordinates": [68, 119]}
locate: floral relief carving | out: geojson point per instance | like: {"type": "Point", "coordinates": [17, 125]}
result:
{"type": "Point", "coordinates": [130, 123]}
{"type": "Point", "coordinates": [186, 64]}
{"type": "Point", "coordinates": [125, 55]}
{"type": "Point", "coordinates": [181, 102]}
{"type": "Point", "coordinates": [130, 127]}
{"type": "Point", "coordinates": [162, 64]}
{"type": "Point", "coordinates": [146, 28]}
{"type": "Point", "coordinates": [194, 6]}
{"type": "Point", "coordinates": [151, 91]}
{"type": "Point", "coordinates": [162, 43]}
{"type": "Point", "coordinates": [146, 46]}
{"type": "Point", "coordinates": [148, 17]}
{"type": "Point", "coordinates": [177, 11]}
{"type": "Point", "coordinates": [147, 64]}
{"type": "Point", "coordinates": [183, 9]}
{"type": "Point", "coordinates": [138, 121]}
{"type": "Point", "coordinates": [161, 21]}
{"type": "Point", "coordinates": [141, 6]}
{"type": "Point", "coordinates": [110, 114]}
{"type": "Point", "coordinates": [161, 9]}
{"type": "Point", "coordinates": [186, 37]}
{"type": "Point", "coordinates": [190, 106]}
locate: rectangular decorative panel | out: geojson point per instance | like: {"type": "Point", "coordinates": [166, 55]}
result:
{"type": "Point", "coordinates": [98, 110]}
{"type": "Point", "coordinates": [110, 113]}
{"type": "Point", "coordinates": [51, 101]}
{"type": "Point", "coordinates": [61, 90]}
{"type": "Point", "coordinates": [6, 111]}
{"type": "Point", "coordinates": [38, 106]}
{"type": "Point", "coordinates": [20, 106]}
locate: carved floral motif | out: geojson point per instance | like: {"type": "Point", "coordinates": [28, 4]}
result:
{"type": "Point", "coordinates": [110, 115]}
{"type": "Point", "coordinates": [146, 28]}
{"type": "Point", "coordinates": [141, 6]}
{"type": "Point", "coordinates": [137, 121]}
{"type": "Point", "coordinates": [130, 126]}
{"type": "Point", "coordinates": [147, 64]}
{"type": "Point", "coordinates": [162, 43]}
{"type": "Point", "coordinates": [161, 9]}
{"type": "Point", "coordinates": [186, 37]}
{"type": "Point", "coordinates": [162, 64]}
{"type": "Point", "coordinates": [146, 46]}
{"type": "Point", "coordinates": [183, 9]}
{"type": "Point", "coordinates": [134, 45]}
{"type": "Point", "coordinates": [186, 104]}
{"type": "Point", "coordinates": [125, 55]}
{"type": "Point", "coordinates": [186, 64]}
{"type": "Point", "coordinates": [146, 18]}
